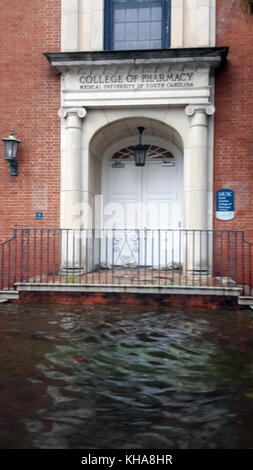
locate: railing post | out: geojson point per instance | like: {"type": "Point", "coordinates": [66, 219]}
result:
{"type": "Point", "coordinates": [80, 255]}
{"type": "Point", "coordinates": [139, 253]}
{"type": "Point", "coordinates": [221, 257]}
{"type": "Point", "coordinates": [236, 257]}
{"type": "Point", "coordinates": [41, 254]}
{"type": "Point", "coordinates": [34, 254]}
{"type": "Point", "coordinates": [15, 257]}
{"type": "Point", "coordinates": [250, 270]}
{"type": "Point", "coordinates": [21, 255]}
{"type": "Point", "coordinates": [53, 257]}
{"type": "Point", "coordinates": [145, 255]}
{"type": "Point", "coordinates": [28, 255]}
{"type": "Point", "coordinates": [2, 266]}
{"type": "Point", "coordinates": [9, 261]}
{"type": "Point", "coordinates": [113, 241]}
{"type": "Point", "coordinates": [243, 265]}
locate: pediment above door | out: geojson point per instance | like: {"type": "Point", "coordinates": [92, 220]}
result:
{"type": "Point", "coordinates": [130, 78]}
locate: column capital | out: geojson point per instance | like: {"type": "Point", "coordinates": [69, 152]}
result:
{"type": "Point", "coordinates": [208, 109]}
{"type": "Point", "coordinates": [64, 112]}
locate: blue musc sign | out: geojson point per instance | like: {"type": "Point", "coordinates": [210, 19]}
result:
{"type": "Point", "coordinates": [39, 216]}
{"type": "Point", "coordinates": [225, 207]}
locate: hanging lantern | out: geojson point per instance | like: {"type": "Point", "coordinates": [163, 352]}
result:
{"type": "Point", "coordinates": [140, 151]}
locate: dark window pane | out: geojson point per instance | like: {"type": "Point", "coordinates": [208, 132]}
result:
{"type": "Point", "coordinates": [131, 31]}
{"type": "Point", "coordinates": [119, 45]}
{"type": "Point", "coordinates": [143, 44]}
{"type": "Point", "coordinates": [144, 14]}
{"type": "Point", "coordinates": [156, 30]}
{"type": "Point", "coordinates": [144, 31]}
{"type": "Point", "coordinates": [131, 45]}
{"type": "Point", "coordinates": [119, 32]}
{"type": "Point", "coordinates": [119, 14]}
{"type": "Point", "coordinates": [156, 44]}
{"type": "Point", "coordinates": [156, 13]}
{"type": "Point", "coordinates": [131, 14]}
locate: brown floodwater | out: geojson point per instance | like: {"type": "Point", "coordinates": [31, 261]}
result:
{"type": "Point", "coordinates": [121, 377]}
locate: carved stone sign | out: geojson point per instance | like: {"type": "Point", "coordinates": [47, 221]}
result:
{"type": "Point", "coordinates": [136, 80]}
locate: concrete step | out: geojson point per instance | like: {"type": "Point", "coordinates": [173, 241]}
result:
{"type": "Point", "coordinates": [6, 295]}
{"type": "Point", "coordinates": [243, 300]}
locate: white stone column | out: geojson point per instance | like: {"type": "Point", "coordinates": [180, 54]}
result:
{"type": "Point", "coordinates": [198, 250]}
{"type": "Point", "coordinates": [71, 184]}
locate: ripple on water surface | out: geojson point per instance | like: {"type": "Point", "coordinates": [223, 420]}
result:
{"type": "Point", "coordinates": [107, 377]}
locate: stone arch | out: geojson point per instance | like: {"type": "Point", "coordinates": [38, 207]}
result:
{"type": "Point", "coordinates": [123, 132]}
{"type": "Point", "coordinates": [160, 124]}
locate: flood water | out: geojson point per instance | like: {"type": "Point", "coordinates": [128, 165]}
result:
{"type": "Point", "coordinates": [120, 377]}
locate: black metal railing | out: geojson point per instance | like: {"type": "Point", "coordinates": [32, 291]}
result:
{"type": "Point", "coordinates": [132, 256]}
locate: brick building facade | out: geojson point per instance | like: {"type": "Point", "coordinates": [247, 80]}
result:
{"type": "Point", "coordinates": [30, 99]}
{"type": "Point", "coordinates": [78, 112]}
{"type": "Point", "coordinates": [233, 157]}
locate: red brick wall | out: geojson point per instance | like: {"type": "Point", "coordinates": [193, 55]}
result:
{"type": "Point", "coordinates": [29, 100]}
{"type": "Point", "coordinates": [171, 300]}
{"type": "Point", "coordinates": [233, 161]}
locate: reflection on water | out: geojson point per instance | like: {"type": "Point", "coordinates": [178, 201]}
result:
{"type": "Point", "coordinates": [125, 377]}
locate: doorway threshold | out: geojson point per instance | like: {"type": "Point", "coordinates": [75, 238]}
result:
{"type": "Point", "coordinates": [140, 289]}
{"type": "Point", "coordinates": [168, 296]}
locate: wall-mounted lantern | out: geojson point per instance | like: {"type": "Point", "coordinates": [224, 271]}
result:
{"type": "Point", "coordinates": [10, 152]}
{"type": "Point", "coordinates": [140, 151]}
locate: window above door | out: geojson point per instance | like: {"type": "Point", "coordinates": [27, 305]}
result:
{"type": "Point", "coordinates": [155, 155]}
{"type": "Point", "coordinates": [137, 24]}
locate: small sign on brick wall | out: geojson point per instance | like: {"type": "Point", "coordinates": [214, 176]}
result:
{"type": "Point", "coordinates": [225, 207]}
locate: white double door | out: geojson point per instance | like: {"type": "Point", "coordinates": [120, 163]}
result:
{"type": "Point", "coordinates": [142, 210]}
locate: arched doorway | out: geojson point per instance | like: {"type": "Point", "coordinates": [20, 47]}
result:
{"type": "Point", "coordinates": [141, 204]}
